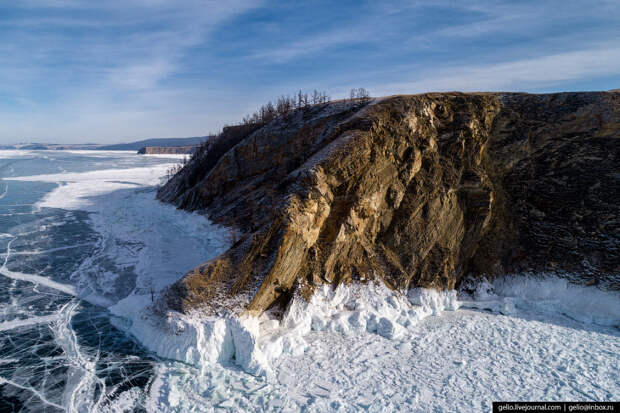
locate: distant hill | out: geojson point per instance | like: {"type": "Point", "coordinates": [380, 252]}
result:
{"type": "Point", "coordinates": [165, 142]}
{"type": "Point", "coordinates": [167, 150]}
{"type": "Point", "coordinates": [35, 146]}
{"type": "Point", "coordinates": [131, 146]}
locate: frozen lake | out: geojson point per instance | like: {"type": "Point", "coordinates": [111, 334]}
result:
{"type": "Point", "coordinates": [84, 244]}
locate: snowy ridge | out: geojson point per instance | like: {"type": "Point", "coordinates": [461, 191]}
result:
{"type": "Point", "coordinates": [369, 308]}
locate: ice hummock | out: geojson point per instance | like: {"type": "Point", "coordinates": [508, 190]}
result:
{"type": "Point", "coordinates": [255, 343]}
{"type": "Point", "coordinates": [544, 294]}
{"type": "Point", "coordinates": [367, 347]}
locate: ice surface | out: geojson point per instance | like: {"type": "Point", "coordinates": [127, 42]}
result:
{"type": "Point", "coordinates": [169, 155]}
{"type": "Point", "coordinates": [14, 153]}
{"type": "Point", "coordinates": [367, 348]}
{"type": "Point", "coordinates": [37, 279]}
{"type": "Point", "coordinates": [101, 154]}
{"type": "Point", "coordinates": [356, 348]}
{"type": "Point", "coordinates": [9, 325]}
{"type": "Point", "coordinates": [546, 295]}
{"type": "Point", "coordinates": [79, 190]}
{"type": "Point", "coordinates": [254, 343]}
{"type": "Point", "coordinates": [55, 351]}
{"type": "Point", "coordinates": [460, 361]}
{"type": "Point", "coordinates": [145, 245]}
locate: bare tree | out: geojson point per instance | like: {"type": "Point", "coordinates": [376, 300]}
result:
{"type": "Point", "coordinates": [359, 93]}
{"type": "Point", "coordinates": [300, 99]}
{"type": "Point", "coordinates": [362, 93]}
{"type": "Point", "coordinates": [284, 105]}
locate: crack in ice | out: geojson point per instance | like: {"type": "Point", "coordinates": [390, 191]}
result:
{"type": "Point", "coordinates": [81, 365]}
{"type": "Point", "coordinates": [36, 279]}
{"type": "Point", "coordinates": [33, 391]}
{"type": "Point", "coordinates": [9, 325]}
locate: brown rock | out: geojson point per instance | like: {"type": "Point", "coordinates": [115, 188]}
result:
{"type": "Point", "coordinates": [412, 190]}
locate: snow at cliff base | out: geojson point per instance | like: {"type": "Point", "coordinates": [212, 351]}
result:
{"type": "Point", "coordinates": [365, 347]}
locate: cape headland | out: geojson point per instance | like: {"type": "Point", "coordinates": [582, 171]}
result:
{"type": "Point", "coordinates": [410, 191]}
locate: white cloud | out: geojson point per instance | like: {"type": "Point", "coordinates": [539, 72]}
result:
{"type": "Point", "coordinates": [541, 72]}
{"type": "Point", "coordinates": [102, 67]}
{"type": "Point", "coordinates": [312, 44]}
{"type": "Point", "coordinates": [141, 76]}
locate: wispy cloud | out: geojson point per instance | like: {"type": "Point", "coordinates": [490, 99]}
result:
{"type": "Point", "coordinates": [311, 45]}
{"type": "Point", "coordinates": [141, 40]}
{"type": "Point", "coordinates": [69, 63]}
{"type": "Point", "coordinates": [519, 75]}
{"type": "Point", "coordinates": [141, 76]}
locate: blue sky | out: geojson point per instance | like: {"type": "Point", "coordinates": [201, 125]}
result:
{"type": "Point", "coordinates": [113, 71]}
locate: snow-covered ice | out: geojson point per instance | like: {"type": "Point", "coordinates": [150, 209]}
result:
{"type": "Point", "coordinates": [50, 255]}
{"type": "Point", "coordinates": [139, 235]}
{"type": "Point", "coordinates": [322, 358]}
{"type": "Point", "coordinates": [370, 348]}
{"type": "Point", "coordinates": [78, 190]}
{"type": "Point", "coordinates": [356, 348]}
{"type": "Point", "coordinates": [546, 294]}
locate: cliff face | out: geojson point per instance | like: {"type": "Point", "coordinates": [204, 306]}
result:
{"type": "Point", "coordinates": [411, 190]}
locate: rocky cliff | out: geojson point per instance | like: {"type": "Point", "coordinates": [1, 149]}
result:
{"type": "Point", "coordinates": [417, 190]}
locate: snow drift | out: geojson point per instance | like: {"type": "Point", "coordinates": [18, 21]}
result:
{"type": "Point", "coordinates": [254, 343]}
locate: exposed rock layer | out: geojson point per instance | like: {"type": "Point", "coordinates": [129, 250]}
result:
{"type": "Point", "coordinates": [413, 190]}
